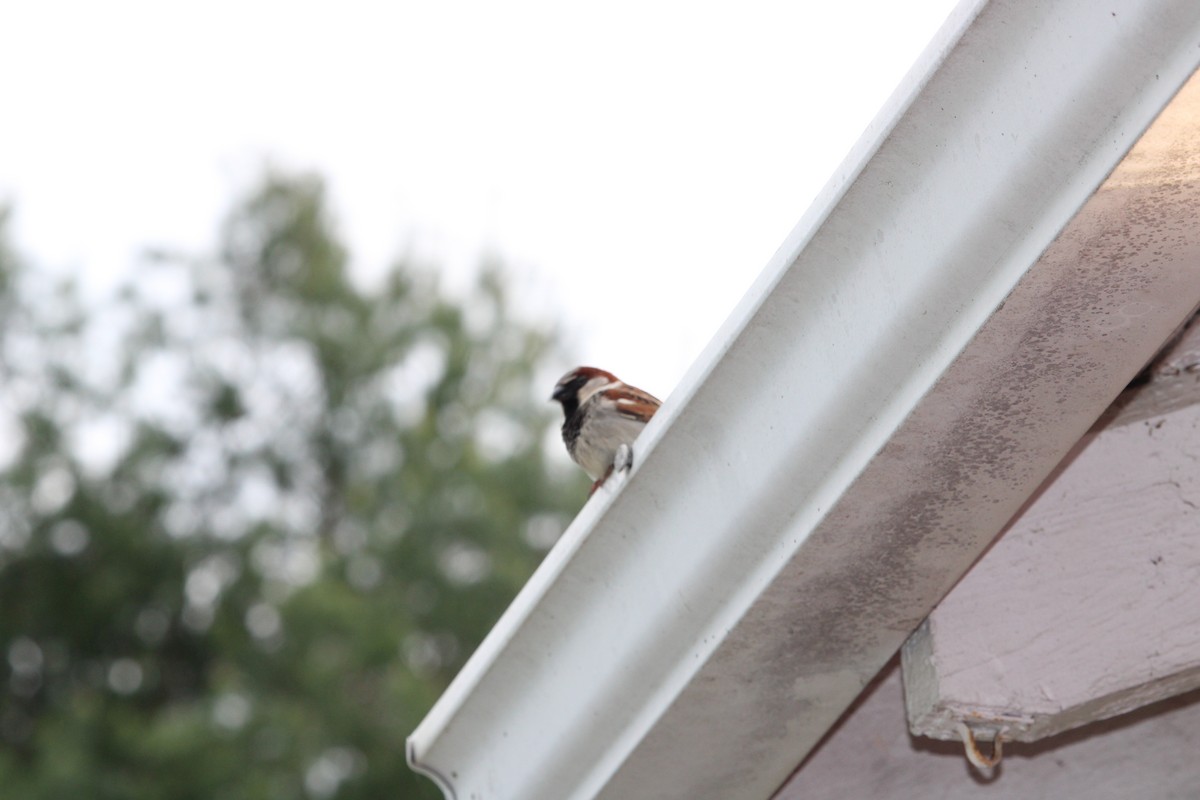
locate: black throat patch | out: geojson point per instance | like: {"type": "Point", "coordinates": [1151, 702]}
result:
{"type": "Point", "coordinates": [571, 427]}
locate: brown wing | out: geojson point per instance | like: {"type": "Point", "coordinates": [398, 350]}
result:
{"type": "Point", "coordinates": [632, 402]}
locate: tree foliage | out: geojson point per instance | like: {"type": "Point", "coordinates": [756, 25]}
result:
{"type": "Point", "coordinates": [253, 516]}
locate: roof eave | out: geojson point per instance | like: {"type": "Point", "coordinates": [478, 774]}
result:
{"type": "Point", "coordinates": [905, 372]}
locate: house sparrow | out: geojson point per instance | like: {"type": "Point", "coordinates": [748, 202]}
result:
{"type": "Point", "coordinates": [602, 414]}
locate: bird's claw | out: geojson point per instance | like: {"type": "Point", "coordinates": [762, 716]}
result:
{"type": "Point", "coordinates": [623, 460]}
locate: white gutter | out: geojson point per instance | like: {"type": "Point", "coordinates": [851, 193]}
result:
{"type": "Point", "coordinates": [901, 377]}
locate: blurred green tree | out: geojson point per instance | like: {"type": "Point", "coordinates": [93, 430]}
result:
{"type": "Point", "coordinates": [253, 516]}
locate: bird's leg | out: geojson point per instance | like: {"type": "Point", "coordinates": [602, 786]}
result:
{"type": "Point", "coordinates": [622, 462]}
{"type": "Point", "coordinates": [600, 481]}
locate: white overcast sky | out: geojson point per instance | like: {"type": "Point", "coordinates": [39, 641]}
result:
{"type": "Point", "coordinates": [636, 162]}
